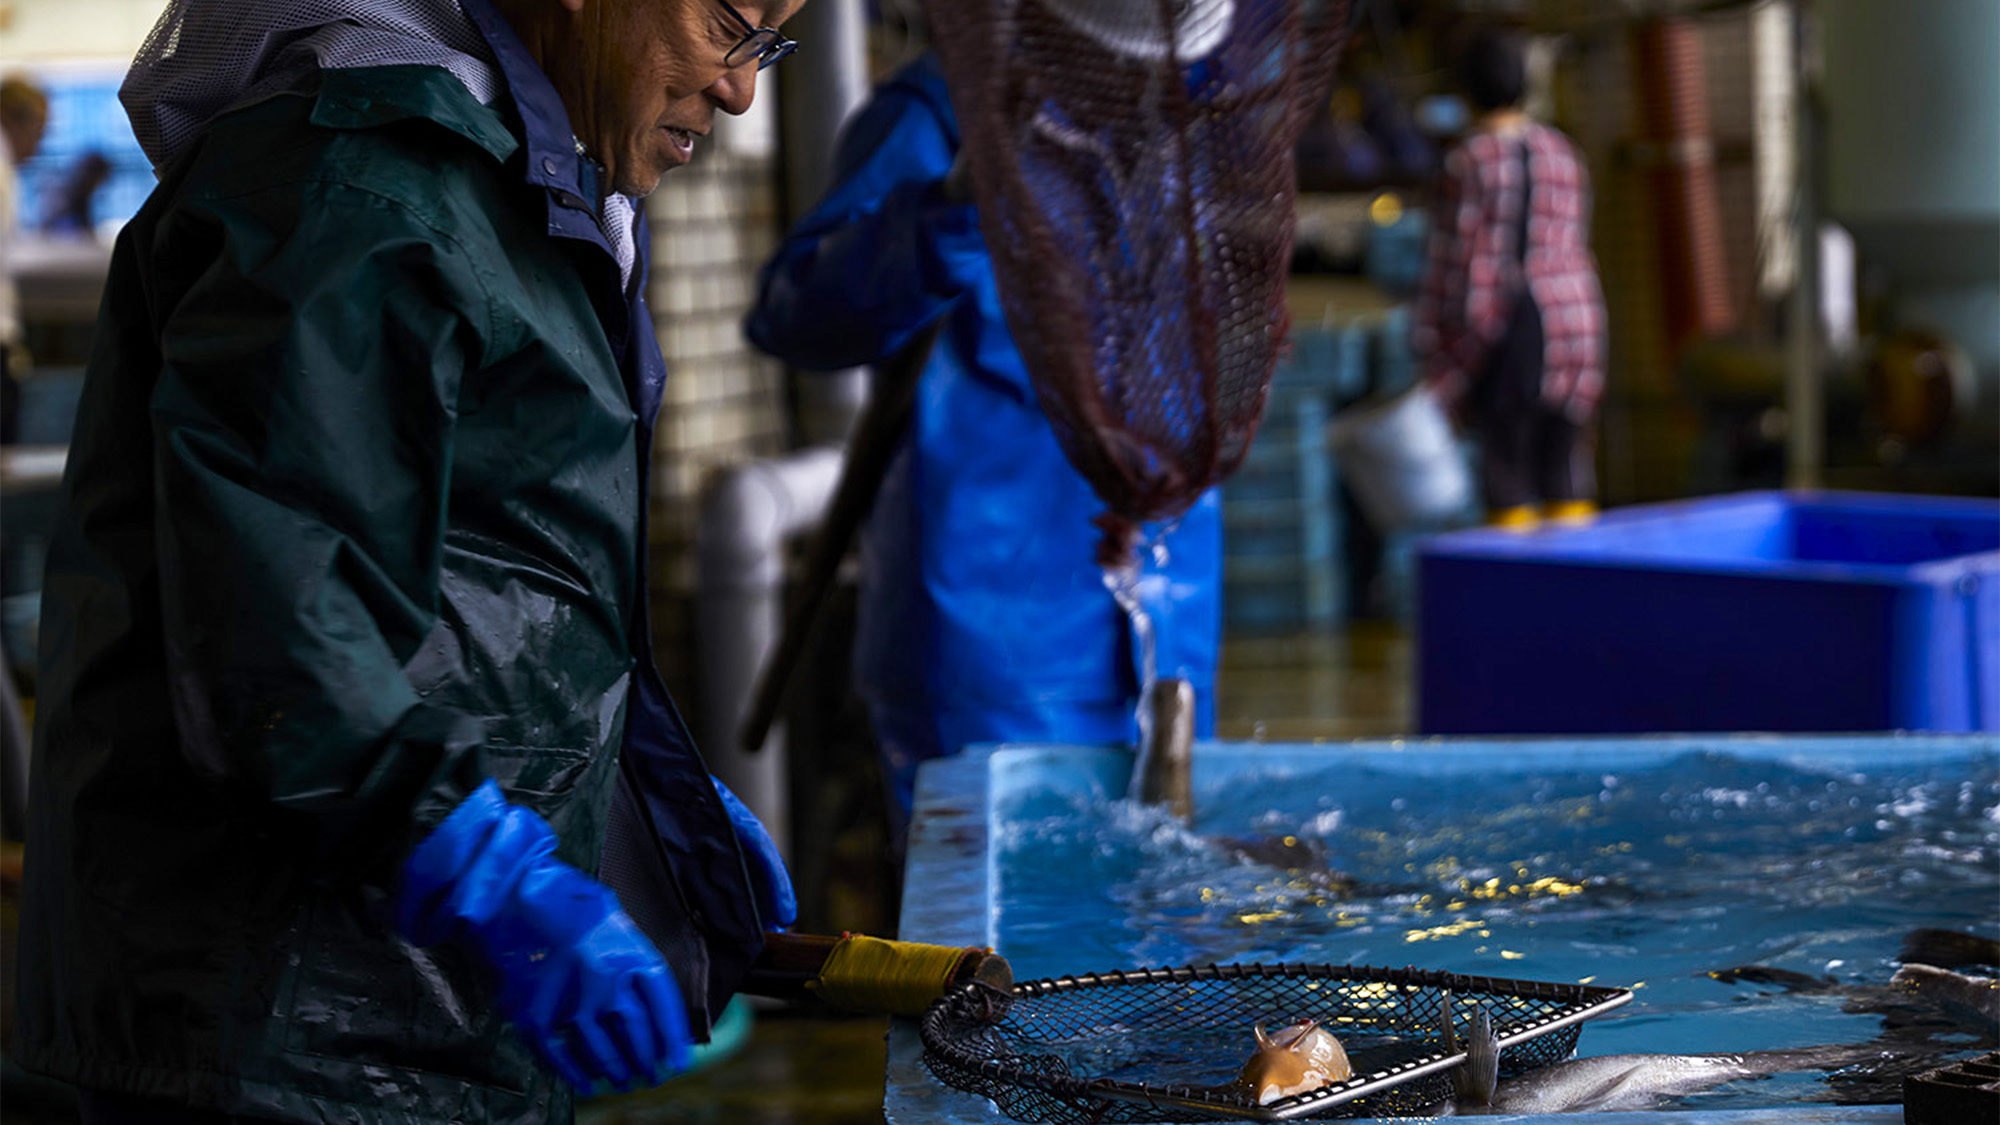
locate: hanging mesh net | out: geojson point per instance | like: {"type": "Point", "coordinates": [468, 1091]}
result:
{"type": "Point", "coordinates": [1133, 163]}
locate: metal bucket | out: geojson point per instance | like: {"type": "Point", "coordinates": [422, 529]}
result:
{"type": "Point", "coordinates": [1402, 460]}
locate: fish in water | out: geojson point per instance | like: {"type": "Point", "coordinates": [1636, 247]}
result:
{"type": "Point", "coordinates": [1949, 949]}
{"type": "Point", "coordinates": [1614, 1082]}
{"type": "Point", "coordinates": [1919, 1000]}
{"type": "Point", "coordinates": [1923, 993]}
{"type": "Point", "coordinates": [1164, 772]}
{"type": "Point", "coordinates": [1307, 860]}
{"type": "Point", "coordinates": [1298, 1059]}
{"type": "Point", "coordinates": [1971, 1002]}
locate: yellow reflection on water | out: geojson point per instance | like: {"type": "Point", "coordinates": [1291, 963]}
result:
{"type": "Point", "coordinates": [1448, 930]}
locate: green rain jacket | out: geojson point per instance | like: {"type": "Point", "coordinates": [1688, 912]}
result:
{"type": "Point", "coordinates": [354, 519]}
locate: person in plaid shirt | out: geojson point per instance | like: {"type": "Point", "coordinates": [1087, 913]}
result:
{"type": "Point", "coordinates": [1509, 322]}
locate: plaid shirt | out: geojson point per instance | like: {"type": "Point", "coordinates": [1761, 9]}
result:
{"type": "Point", "coordinates": [1473, 270]}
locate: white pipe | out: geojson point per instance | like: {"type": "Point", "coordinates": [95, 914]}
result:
{"type": "Point", "coordinates": [748, 514]}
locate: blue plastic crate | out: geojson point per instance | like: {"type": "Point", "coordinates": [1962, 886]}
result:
{"type": "Point", "coordinates": [1311, 360]}
{"type": "Point", "coordinates": [1280, 529]}
{"type": "Point", "coordinates": [1263, 528]}
{"type": "Point", "coordinates": [1288, 458]}
{"type": "Point", "coordinates": [1268, 598]}
{"type": "Point", "coordinates": [1761, 611]}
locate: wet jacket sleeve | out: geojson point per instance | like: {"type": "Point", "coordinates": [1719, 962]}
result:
{"type": "Point", "coordinates": [881, 255]}
{"type": "Point", "coordinates": [302, 428]}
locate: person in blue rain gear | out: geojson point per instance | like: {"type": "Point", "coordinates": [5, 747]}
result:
{"type": "Point", "coordinates": [984, 614]}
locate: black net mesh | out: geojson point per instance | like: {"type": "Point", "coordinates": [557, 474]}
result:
{"type": "Point", "coordinates": [1134, 166]}
{"type": "Point", "coordinates": [1161, 1044]}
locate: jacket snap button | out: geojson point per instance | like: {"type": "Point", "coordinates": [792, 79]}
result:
{"type": "Point", "coordinates": [549, 165]}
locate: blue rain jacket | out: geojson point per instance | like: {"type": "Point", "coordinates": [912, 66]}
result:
{"type": "Point", "coordinates": [984, 614]}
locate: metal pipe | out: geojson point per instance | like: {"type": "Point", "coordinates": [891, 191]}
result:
{"type": "Point", "coordinates": [748, 514]}
{"type": "Point", "coordinates": [1805, 393]}
{"type": "Point", "coordinates": [820, 87]}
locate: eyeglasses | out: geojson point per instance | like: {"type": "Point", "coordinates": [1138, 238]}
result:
{"type": "Point", "coordinates": [765, 44]}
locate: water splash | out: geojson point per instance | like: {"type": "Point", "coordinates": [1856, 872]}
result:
{"type": "Point", "coordinates": [1123, 582]}
{"type": "Point", "coordinates": [1130, 586]}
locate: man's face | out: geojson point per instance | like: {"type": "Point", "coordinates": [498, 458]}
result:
{"type": "Point", "coordinates": [642, 79]}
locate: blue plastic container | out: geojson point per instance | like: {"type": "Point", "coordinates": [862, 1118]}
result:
{"type": "Point", "coordinates": [1760, 611]}
{"type": "Point", "coordinates": [1280, 530]}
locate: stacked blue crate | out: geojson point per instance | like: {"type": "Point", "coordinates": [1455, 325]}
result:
{"type": "Point", "coordinates": [1281, 532]}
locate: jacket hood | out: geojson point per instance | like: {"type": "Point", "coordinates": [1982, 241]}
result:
{"type": "Point", "coordinates": [207, 56]}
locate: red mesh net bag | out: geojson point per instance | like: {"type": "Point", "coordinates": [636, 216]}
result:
{"type": "Point", "coordinates": [1134, 166]}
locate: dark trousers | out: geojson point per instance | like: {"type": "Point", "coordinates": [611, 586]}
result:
{"type": "Point", "coordinates": [1529, 452]}
{"type": "Point", "coordinates": [117, 1109]}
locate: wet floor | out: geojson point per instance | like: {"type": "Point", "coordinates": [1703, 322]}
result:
{"type": "Point", "coordinates": [793, 1070]}
{"type": "Point", "coordinates": [1351, 684]}
{"type": "Point", "coordinates": [797, 1069]}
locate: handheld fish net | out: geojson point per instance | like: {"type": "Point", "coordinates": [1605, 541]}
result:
{"type": "Point", "coordinates": [1163, 1044]}
{"type": "Point", "coordinates": [1133, 162]}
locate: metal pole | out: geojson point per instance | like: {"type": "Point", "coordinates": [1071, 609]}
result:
{"type": "Point", "coordinates": [820, 86]}
{"type": "Point", "coordinates": [1805, 394]}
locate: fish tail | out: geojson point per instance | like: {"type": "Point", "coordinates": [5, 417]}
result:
{"type": "Point", "coordinates": [1478, 1079]}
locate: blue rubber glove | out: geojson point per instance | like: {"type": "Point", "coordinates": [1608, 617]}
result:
{"type": "Point", "coordinates": [777, 904]}
{"type": "Point", "coordinates": [578, 979]}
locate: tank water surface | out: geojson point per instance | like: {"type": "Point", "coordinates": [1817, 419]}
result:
{"type": "Point", "coordinates": [1651, 864]}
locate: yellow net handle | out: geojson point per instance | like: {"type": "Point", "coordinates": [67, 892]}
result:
{"type": "Point", "coordinates": [867, 974]}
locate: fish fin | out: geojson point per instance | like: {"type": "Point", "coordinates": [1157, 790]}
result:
{"type": "Point", "coordinates": [1264, 1042]}
{"type": "Point", "coordinates": [1948, 949]}
{"type": "Point", "coordinates": [1301, 1033]}
{"type": "Point", "coordinates": [1479, 1078]}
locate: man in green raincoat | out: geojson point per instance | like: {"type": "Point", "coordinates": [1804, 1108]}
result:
{"type": "Point", "coordinates": [346, 691]}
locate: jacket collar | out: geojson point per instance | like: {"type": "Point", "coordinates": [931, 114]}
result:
{"type": "Point", "coordinates": [552, 160]}
{"type": "Point", "coordinates": [372, 96]}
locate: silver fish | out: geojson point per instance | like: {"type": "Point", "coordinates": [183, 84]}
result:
{"type": "Point", "coordinates": [1164, 774]}
{"type": "Point", "coordinates": [1973, 1002]}
{"type": "Point", "coordinates": [1615, 1082]}
{"type": "Point", "coordinates": [1949, 949]}
{"type": "Point", "coordinates": [1921, 994]}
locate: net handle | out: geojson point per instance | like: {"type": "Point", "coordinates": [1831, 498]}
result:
{"type": "Point", "coordinates": [877, 436]}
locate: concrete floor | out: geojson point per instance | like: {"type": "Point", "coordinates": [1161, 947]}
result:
{"type": "Point", "coordinates": [800, 1068]}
